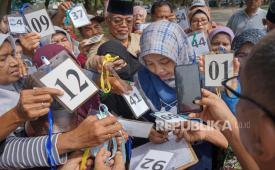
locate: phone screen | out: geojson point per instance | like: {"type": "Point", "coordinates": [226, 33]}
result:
{"type": "Point", "coordinates": [188, 88]}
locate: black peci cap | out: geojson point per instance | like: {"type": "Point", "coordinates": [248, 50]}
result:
{"type": "Point", "coordinates": [123, 7]}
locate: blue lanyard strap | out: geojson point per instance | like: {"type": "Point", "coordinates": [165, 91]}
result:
{"type": "Point", "coordinates": [67, 20]}
{"type": "Point", "coordinates": [103, 113]}
{"type": "Point", "coordinates": [49, 144]}
{"type": "Point", "coordinates": [22, 9]}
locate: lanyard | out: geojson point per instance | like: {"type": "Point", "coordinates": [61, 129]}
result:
{"type": "Point", "coordinates": [49, 144]}
{"type": "Point", "coordinates": [105, 73]}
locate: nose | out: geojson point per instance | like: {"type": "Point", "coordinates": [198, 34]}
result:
{"type": "Point", "coordinates": [159, 70]}
{"type": "Point", "coordinates": [12, 61]}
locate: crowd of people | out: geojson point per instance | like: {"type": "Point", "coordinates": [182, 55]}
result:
{"type": "Point", "coordinates": [149, 48]}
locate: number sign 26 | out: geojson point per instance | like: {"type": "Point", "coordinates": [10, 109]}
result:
{"type": "Point", "coordinates": [40, 22]}
{"type": "Point", "coordinates": [218, 67]}
{"type": "Point", "coordinates": [76, 85]}
{"type": "Point", "coordinates": [155, 160]}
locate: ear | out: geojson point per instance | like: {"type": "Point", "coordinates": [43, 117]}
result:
{"type": "Point", "coordinates": [265, 148]}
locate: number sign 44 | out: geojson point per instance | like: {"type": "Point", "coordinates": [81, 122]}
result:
{"type": "Point", "coordinates": [218, 67]}
{"type": "Point", "coordinates": [155, 160]}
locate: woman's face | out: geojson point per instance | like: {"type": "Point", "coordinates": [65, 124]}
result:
{"type": "Point", "coordinates": [61, 39]}
{"type": "Point", "coordinates": [243, 53]}
{"type": "Point", "coordinates": [9, 68]}
{"type": "Point", "coordinates": [219, 41]}
{"type": "Point", "coordinates": [199, 22]}
{"type": "Point", "coordinates": [4, 28]}
{"type": "Point", "coordinates": [160, 65]}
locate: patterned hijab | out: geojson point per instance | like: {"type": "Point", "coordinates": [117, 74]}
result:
{"type": "Point", "coordinates": [248, 36]}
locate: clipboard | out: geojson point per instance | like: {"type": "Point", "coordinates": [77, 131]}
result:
{"type": "Point", "coordinates": [63, 72]}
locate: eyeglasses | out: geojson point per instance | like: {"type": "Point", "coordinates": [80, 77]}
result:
{"type": "Point", "coordinates": [202, 22]}
{"type": "Point", "coordinates": [119, 20]}
{"type": "Point", "coordinates": [227, 83]}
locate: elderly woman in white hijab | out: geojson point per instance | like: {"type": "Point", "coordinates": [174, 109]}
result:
{"type": "Point", "coordinates": [163, 46]}
{"type": "Point", "coordinates": [16, 108]}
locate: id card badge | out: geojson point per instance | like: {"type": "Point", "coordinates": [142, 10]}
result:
{"type": "Point", "coordinates": [218, 67]}
{"type": "Point", "coordinates": [167, 120]}
{"type": "Point", "coordinates": [79, 16]}
{"type": "Point", "coordinates": [62, 72]}
{"type": "Point", "coordinates": [39, 21]}
{"type": "Point", "coordinates": [199, 43]}
{"type": "Point", "coordinates": [136, 102]}
{"type": "Point", "coordinates": [155, 159]}
{"type": "Point", "coordinates": [16, 25]}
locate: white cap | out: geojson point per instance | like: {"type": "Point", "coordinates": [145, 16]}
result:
{"type": "Point", "coordinates": [198, 3]}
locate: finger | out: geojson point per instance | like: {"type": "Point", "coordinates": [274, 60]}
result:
{"type": "Point", "coordinates": [112, 129]}
{"type": "Point", "coordinates": [38, 113]}
{"type": "Point", "coordinates": [37, 99]}
{"type": "Point", "coordinates": [37, 106]}
{"type": "Point", "coordinates": [48, 90]}
{"type": "Point", "coordinates": [110, 120]}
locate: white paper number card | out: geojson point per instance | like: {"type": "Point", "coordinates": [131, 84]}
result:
{"type": "Point", "coordinates": [218, 67]}
{"type": "Point", "coordinates": [182, 19]}
{"type": "Point", "coordinates": [79, 16]}
{"type": "Point", "coordinates": [39, 21]}
{"type": "Point", "coordinates": [136, 102]}
{"type": "Point", "coordinates": [199, 43]}
{"type": "Point", "coordinates": [155, 160]}
{"type": "Point", "coordinates": [16, 24]}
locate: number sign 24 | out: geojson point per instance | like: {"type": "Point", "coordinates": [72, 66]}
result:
{"type": "Point", "coordinates": [155, 160]}
{"type": "Point", "coordinates": [218, 67]}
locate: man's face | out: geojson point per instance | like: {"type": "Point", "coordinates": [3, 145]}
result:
{"type": "Point", "coordinates": [91, 30]}
{"type": "Point", "coordinates": [139, 17]}
{"type": "Point", "coordinates": [253, 4]}
{"type": "Point", "coordinates": [163, 12]}
{"type": "Point", "coordinates": [120, 26]}
{"type": "Point", "coordinates": [9, 68]}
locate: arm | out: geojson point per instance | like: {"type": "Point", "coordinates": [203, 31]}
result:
{"type": "Point", "coordinates": [29, 152]}
{"type": "Point", "coordinates": [8, 123]}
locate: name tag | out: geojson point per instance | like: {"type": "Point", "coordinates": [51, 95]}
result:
{"type": "Point", "coordinates": [79, 16]}
{"type": "Point", "coordinates": [40, 22]}
{"type": "Point", "coordinates": [155, 160]}
{"type": "Point", "coordinates": [136, 102]}
{"type": "Point", "coordinates": [199, 43]}
{"type": "Point", "coordinates": [218, 67]}
{"type": "Point", "coordinates": [16, 24]}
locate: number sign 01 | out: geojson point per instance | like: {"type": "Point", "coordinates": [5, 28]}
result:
{"type": "Point", "coordinates": [155, 160]}
{"type": "Point", "coordinates": [39, 21]}
{"type": "Point", "coordinates": [218, 67]}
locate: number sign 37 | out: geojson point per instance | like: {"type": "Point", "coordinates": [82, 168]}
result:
{"type": "Point", "coordinates": [155, 160]}
{"type": "Point", "coordinates": [218, 67]}
{"type": "Point", "coordinates": [39, 21]}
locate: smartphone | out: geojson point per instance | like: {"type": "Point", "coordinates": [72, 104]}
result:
{"type": "Point", "coordinates": [188, 86]}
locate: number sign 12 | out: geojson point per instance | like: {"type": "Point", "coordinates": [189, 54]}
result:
{"type": "Point", "coordinates": [79, 16]}
{"type": "Point", "coordinates": [155, 160]}
{"type": "Point", "coordinates": [76, 85]}
{"type": "Point", "coordinates": [39, 21]}
{"type": "Point", "coordinates": [218, 67]}
{"type": "Point", "coordinates": [136, 102]}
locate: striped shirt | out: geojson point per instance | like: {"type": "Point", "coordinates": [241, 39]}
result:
{"type": "Point", "coordinates": [29, 152]}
